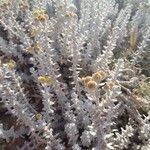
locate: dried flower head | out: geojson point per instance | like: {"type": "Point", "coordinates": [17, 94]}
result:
{"type": "Point", "coordinates": [86, 79]}
{"type": "Point", "coordinates": [103, 74]}
{"type": "Point", "coordinates": [97, 76]}
{"type": "Point", "coordinates": [91, 85]}
{"type": "Point", "coordinates": [70, 15]}
{"type": "Point", "coordinates": [81, 80]}
{"type": "Point", "coordinates": [41, 18]}
{"type": "Point", "coordinates": [37, 116]}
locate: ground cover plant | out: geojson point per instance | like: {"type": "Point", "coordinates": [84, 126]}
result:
{"type": "Point", "coordinates": [74, 75]}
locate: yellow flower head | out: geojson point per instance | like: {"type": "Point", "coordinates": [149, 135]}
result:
{"type": "Point", "coordinates": [37, 12]}
{"type": "Point", "coordinates": [46, 80]}
{"type": "Point", "coordinates": [40, 15]}
{"type": "Point", "coordinates": [30, 49]}
{"type": "Point", "coordinates": [41, 18]}
{"type": "Point", "coordinates": [70, 14]}
{"type": "Point", "coordinates": [11, 64]}
{"type": "Point", "coordinates": [37, 116]}
{"type": "Point", "coordinates": [35, 48]}
{"type": "Point", "coordinates": [110, 84]}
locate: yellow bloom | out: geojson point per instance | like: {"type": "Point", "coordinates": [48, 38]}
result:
{"type": "Point", "coordinates": [39, 15]}
{"type": "Point", "coordinates": [36, 47]}
{"type": "Point", "coordinates": [37, 12]}
{"type": "Point", "coordinates": [37, 116]}
{"type": "Point", "coordinates": [30, 49]}
{"type": "Point", "coordinates": [11, 64]}
{"type": "Point", "coordinates": [70, 14]}
{"type": "Point", "coordinates": [47, 80]}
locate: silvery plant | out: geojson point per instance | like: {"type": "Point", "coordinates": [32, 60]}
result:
{"type": "Point", "coordinates": [74, 75]}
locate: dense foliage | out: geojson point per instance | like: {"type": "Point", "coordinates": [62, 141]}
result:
{"type": "Point", "coordinates": [74, 74]}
